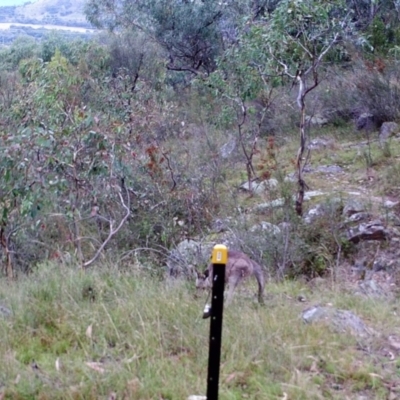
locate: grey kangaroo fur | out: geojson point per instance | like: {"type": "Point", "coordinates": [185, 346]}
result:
{"type": "Point", "coordinates": [239, 267]}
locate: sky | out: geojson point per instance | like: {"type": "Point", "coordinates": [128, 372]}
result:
{"type": "Point", "coordinates": [13, 2]}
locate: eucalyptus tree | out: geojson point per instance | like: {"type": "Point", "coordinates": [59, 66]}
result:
{"type": "Point", "coordinates": [186, 30]}
{"type": "Point", "coordinates": [287, 44]}
{"type": "Point", "coordinates": [243, 93]}
{"type": "Point", "coordinates": [58, 168]}
{"type": "Point", "coordinates": [292, 46]}
{"type": "Point", "coordinates": [21, 48]}
{"type": "Point", "coordinates": [193, 33]}
{"type": "Point", "coordinates": [294, 43]}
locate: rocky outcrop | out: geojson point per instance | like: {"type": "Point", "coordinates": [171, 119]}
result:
{"type": "Point", "coordinates": [387, 130]}
{"type": "Point", "coordinates": [341, 321]}
{"type": "Point", "coordinates": [373, 230]}
{"type": "Point", "coordinates": [188, 254]}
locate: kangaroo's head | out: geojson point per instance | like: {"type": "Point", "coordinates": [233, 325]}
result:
{"type": "Point", "coordinates": [202, 280]}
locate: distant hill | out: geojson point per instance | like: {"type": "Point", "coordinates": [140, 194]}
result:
{"type": "Point", "coordinates": [37, 18]}
{"type": "Point", "coordinates": [53, 12]}
{"type": "Point", "coordinates": [57, 12]}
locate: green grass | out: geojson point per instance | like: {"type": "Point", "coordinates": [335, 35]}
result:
{"type": "Point", "coordinates": [113, 332]}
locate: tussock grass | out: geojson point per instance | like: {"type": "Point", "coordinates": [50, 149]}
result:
{"type": "Point", "coordinates": [75, 335]}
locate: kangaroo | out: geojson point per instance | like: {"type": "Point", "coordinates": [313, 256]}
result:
{"type": "Point", "coordinates": [238, 268]}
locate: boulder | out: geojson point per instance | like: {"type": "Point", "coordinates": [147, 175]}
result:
{"type": "Point", "coordinates": [372, 289]}
{"type": "Point", "coordinates": [267, 227]}
{"type": "Point", "coordinates": [387, 130]}
{"type": "Point", "coordinates": [221, 225]}
{"type": "Point", "coordinates": [353, 206]}
{"type": "Point", "coordinates": [326, 209]}
{"type": "Point", "coordinates": [265, 207]}
{"type": "Point", "coordinates": [369, 231]}
{"type": "Point", "coordinates": [339, 320]}
{"type": "Point", "coordinates": [329, 169]}
{"type": "Point", "coordinates": [187, 255]}
{"type": "Point", "coordinates": [317, 144]}
{"type": "Point", "coordinates": [317, 120]}
{"type": "Point", "coordinates": [226, 150]}
{"type": "Point", "coordinates": [258, 187]}
{"type": "Point", "coordinates": [366, 122]}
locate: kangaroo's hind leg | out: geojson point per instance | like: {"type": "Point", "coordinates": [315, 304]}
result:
{"type": "Point", "coordinates": [233, 281]}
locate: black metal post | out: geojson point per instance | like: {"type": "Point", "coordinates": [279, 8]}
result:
{"type": "Point", "coordinates": [217, 306]}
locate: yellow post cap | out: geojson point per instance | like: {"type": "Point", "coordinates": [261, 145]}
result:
{"type": "Point", "coordinates": [219, 254]}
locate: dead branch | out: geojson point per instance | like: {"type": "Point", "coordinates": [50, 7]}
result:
{"type": "Point", "coordinates": [112, 230]}
{"type": "Point", "coordinates": [241, 119]}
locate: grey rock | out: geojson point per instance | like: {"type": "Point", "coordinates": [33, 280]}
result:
{"type": "Point", "coordinates": [393, 218]}
{"type": "Point", "coordinates": [357, 217]}
{"type": "Point", "coordinates": [317, 120]}
{"type": "Point", "coordinates": [188, 254]}
{"type": "Point", "coordinates": [368, 231]}
{"type": "Point", "coordinates": [265, 207]}
{"type": "Point", "coordinates": [265, 226]}
{"type": "Point", "coordinates": [353, 206]}
{"type": "Point", "coordinates": [220, 225]}
{"type": "Point", "coordinates": [313, 214]}
{"type": "Point", "coordinates": [226, 150]}
{"type": "Point", "coordinates": [367, 122]}
{"type": "Point", "coordinates": [313, 193]}
{"type": "Point", "coordinates": [339, 320]}
{"type": "Point", "coordinates": [260, 187]}
{"type": "Point", "coordinates": [328, 209]}
{"type": "Point", "coordinates": [370, 288]}
{"type": "Point", "coordinates": [292, 177]}
{"type": "Point", "coordinates": [4, 311]}
{"type": "Point", "coordinates": [387, 130]}
{"type": "Point", "coordinates": [317, 144]}
{"type": "Point", "coordinates": [390, 204]}
{"type": "Point", "coordinates": [329, 169]}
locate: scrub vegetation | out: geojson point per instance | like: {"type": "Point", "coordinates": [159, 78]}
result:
{"type": "Point", "coordinates": [117, 147]}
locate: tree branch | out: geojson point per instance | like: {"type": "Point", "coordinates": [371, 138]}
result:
{"type": "Point", "coordinates": [112, 231]}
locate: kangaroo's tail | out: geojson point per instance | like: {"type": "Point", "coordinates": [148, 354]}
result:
{"type": "Point", "coordinates": [258, 273]}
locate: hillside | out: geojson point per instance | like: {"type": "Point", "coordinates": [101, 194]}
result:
{"type": "Point", "coordinates": [36, 19]}
{"type": "Point", "coordinates": [57, 12]}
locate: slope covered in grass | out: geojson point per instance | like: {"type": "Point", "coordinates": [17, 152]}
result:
{"type": "Point", "coordinates": [74, 335]}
